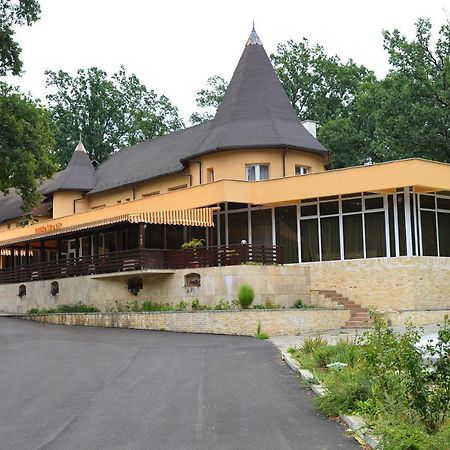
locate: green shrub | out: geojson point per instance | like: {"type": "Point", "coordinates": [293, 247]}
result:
{"type": "Point", "coordinates": [246, 295]}
{"type": "Point", "coordinates": [222, 305]}
{"type": "Point", "coordinates": [63, 309]}
{"type": "Point", "coordinates": [149, 306]}
{"type": "Point", "coordinates": [263, 335]}
{"type": "Point", "coordinates": [197, 306]}
{"type": "Point", "coordinates": [182, 306]}
{"type": "Point", "coordinates": [310, 345]}
{"type": "Point", "coordinates": [345, 389]}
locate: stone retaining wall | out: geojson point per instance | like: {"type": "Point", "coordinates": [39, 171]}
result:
{"type": "Point", "coordinates": [244, 323]}
{"type": "Point", "coordinates": [417, 318]}
{"type": "Point", "coordinates": [388, 284]}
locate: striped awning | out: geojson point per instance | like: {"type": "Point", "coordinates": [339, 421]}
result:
{"type": "Point", "coordinates": [198, 217]}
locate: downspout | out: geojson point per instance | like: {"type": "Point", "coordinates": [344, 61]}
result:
{"type": "Point", "coordinates": [284, 162]}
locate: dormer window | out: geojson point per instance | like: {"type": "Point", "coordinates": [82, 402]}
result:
{"type": "Point", "coordinates": [302, 170]}
{"type": "Point", "coordinates": [257, 172]}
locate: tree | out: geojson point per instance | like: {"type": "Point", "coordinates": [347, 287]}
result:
{"type": "Point", "coordinates": [209, 99]}
{"type": "Point", "coordinates": [14, 13]}
{"type": "Point", "coordinates": [25, 144]}
{"type": "Point", "coordinates": [110, 113]}
{"type": "Point", "coordinates": [320, 87]}
{"type": "Point", "coordinates": [404, 115]}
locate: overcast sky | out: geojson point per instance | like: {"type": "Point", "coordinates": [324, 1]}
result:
{"type": "Point", "coordinates": [173, 46]}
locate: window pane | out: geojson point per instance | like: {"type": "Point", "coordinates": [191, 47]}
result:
{"type": "Point", "coordinates": [427, 201]}
{"type": "Point", "coordinates": [309, 240]}
{"type": "Point", "coordinates": [354, 205]}
{"type": "Point", "coordinates": [373, 203]}
{"type": "Point", "coordinates": [222, 229]}
{"type": "Point", "coordinates": [375, 235]}
{"type": "Point", "coordinates": [444, 233]}
{"type": "Point", "coordinates": [262, 227]}
{"type": "Point", "coordinates": [429, 241]}
{"type": "Point", "coordinates": [401, 224]}
{"type": "Point", "coordinates": [264, 172]}
{"type": "Point", "coordinates": [328, 208]}
{"type": "Point", "coordinates": [391, 224]}
{"type": "Point", "coordinates": [310, 210]}
{"type": "Point", "coordinates": [251, 173]}
{"type": "Point", "coordinates": [353, 237]}
{"type": "Point", "coordinates": [237, 227]}
{"type": "Point", "coordinates": [329, 231]}
{"type": "Point", "coordinates": [286, 231]}
{"type": "Point", "coordinates": [443, 203]}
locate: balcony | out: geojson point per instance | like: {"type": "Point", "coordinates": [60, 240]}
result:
{"type": "Point", "coordinates": [141, 259]}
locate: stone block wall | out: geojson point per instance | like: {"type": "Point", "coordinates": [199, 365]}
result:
{"type": "Point", "coordinates": [244, 323]}
{"type": "Point", "coordinates": [389, 284]}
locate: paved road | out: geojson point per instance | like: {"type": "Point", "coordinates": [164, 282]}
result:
{"type": "Point", "coordinates": [91, 388]}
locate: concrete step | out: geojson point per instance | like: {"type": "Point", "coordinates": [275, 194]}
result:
{"type": "Point", "coordinates": [357, 324]}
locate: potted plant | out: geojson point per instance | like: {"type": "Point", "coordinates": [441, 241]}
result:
{"type": "Point", "coordinates": [193, 244]}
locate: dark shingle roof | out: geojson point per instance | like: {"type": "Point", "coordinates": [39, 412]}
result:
{"type": "Point", "coordinates": [255, 113]}
{"type": "Point", "coordinates": [79, 175]}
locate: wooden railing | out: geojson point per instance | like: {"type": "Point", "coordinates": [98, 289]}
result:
{"type": "Point", "coordinates": [140, 259]}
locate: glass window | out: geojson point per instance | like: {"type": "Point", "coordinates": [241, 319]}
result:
{"type": "Point", "coordinates": [401, 224]}
{"type": "Point", "coordinates": [286, 231]}
{"type": "Point", "coordinates": [429, 238]}
{"type": "Point", "coordinates": [373, 203]}
{"type": "Point", "coordinates": [257, 172]}
{"type": "Point", "coordinates": [328, 208]}
{"type": "Point", "coordinates": [262, 227]}
{"type": "Point", "coordinates": [353, 205]}
{"type": "Point", "coordinates": [309, 236]}
{"type": "Point", "coordinates": [301, 170]}
{"type": "Point", "coordinates": [443, 203]}
{"type": "Point", "coordinates": [444, 233]}
{"type": "Point", "coordinates": [237, 227]}
{"type": "Point", "coordinates": [310, 210]}
{"type": "Point", "coordinates": [427, 201]}
{"type": "Point", "coordinates": [222, 229]}
{"type": "Point", "coordinates": [329, 232]}
{"type": "Point", "coordinates": [353, 237]}
{"type": "Point", "coordinates": [375, 235]}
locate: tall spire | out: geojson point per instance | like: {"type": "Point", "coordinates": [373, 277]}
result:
{"type": "Point", "coordinates": [253, 38]}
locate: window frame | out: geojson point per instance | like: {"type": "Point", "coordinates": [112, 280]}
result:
{"type": "Point", "coordinates": [257, 167]}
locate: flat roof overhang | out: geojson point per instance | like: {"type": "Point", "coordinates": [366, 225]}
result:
{"type": "Point", "coordinates": [421, 175]}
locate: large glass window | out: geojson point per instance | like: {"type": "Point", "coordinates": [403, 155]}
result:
{"type": "Point", "coordinates": [262, 227]}
{"type": "Point", "coordinates": [329, 232]}
{"type": "Point", "coordinates": [353, 236]}
{"type": "Point", "coordinates": [444, 233]}
{"type": "Point", "coordinates": [375, 235]}
{"type": "Point", "coordinates": [286, 230]}
{"type": "Point", "coordinates": [429, 238]}
{"type": "Point", "coordinates": [309, 240]}
{"type": "Point", "coordinates": [237, 227]}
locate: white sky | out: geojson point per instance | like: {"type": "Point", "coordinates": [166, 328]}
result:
{"type": "Point", "coordinates": [173, 46]}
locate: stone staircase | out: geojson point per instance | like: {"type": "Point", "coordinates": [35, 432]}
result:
{"type": "Point", "coordinates": [359, 316]}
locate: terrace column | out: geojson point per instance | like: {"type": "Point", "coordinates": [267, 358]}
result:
{"type": "Point", "coordinates": [141, 235]}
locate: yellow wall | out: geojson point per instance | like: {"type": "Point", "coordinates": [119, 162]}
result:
{"type": "Point", "coordinates": [63, 203]}
{"type": "Point", "coordinates": [231, 164]}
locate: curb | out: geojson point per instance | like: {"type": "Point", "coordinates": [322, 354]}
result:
{"type": "Point", "coordinates": [355, 423]}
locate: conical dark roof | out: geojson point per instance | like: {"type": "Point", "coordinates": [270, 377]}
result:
{"type": "Point", "coordinates": [79, 175]}
{"type": "Point", "coordinates": [255, 111]}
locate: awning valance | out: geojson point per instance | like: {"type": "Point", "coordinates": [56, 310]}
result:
{"type": "Point", "coordinates": [198, 217]}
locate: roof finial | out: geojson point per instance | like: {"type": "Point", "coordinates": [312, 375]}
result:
{"type": "Point", "coordinates": [254, 38]}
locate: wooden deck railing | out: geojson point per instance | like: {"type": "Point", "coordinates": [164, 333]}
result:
{"type": "Point", "coordinates": [140, 259]}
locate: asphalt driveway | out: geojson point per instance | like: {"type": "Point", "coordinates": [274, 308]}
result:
{"type": "Point", "coordinates": [93, 388]}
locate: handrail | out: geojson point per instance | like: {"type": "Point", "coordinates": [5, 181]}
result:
{"type": "Point", "coordinates": [144, 258]}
